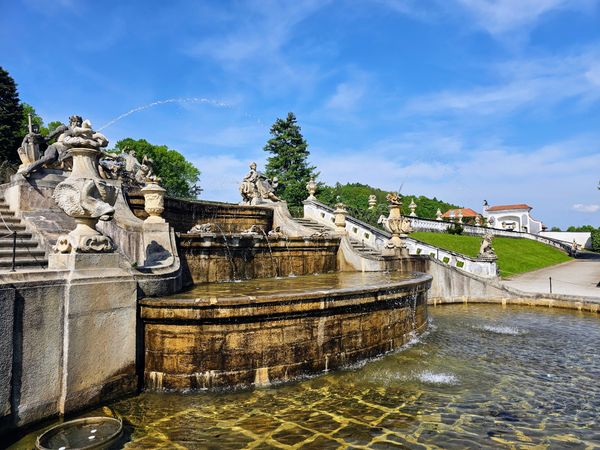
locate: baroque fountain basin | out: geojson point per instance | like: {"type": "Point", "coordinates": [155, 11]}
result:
{"type": "Point", "coordinates": [256, 332]}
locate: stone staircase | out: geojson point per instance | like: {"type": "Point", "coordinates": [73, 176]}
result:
{"type": "Point", "coordinates": [28, 251]}
{"type": "Point", "coordinates": [358, 246]}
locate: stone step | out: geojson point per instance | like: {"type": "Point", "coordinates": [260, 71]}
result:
{"type": "Point", "coordinates": [20, 237]}
{"type": "Point", "coordinates": [13, 227]}
{"type": "Point", "coordinates": [8, 218]}
{"type": "Point", "coordinates": [8, 243]}
{"type": "Point", "coordinates": [21, 252]}
{"type": "Point", "coordinates": [24, 262]}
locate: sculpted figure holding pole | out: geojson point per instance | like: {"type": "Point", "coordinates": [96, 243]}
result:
{"type": "Point", "coordinates": [256, 187]}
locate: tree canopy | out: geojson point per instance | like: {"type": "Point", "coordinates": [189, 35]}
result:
{"type": "Point", "coordinates": [289, 160]}
{"type": "Point", "coordinates": [11, 114]}
{"type": "Point", "coordinates": [179, 176]}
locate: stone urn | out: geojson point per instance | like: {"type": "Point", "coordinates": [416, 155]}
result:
{"type": "Point", "coordinates": [154, 202]}
{"type": "Point", "coordinates": [413, 208]}
{"type": "Point", "coordinates": [311, 187]}
{"type": "Point", "coordinates": [340, 218]}
{"type": "Point", "coordinates": [396, 224]}
{"type": "Point", "coordinates": [372, 201]}
{"type": "Point", "coordinates": [87, 198]}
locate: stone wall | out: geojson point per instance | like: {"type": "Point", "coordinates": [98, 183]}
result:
{"type": "Point", "coordinates": [224, 342]}
{"type": "Point", "coordinates": [208, 258]}
{"type": "Point", "coordinates": [66, 341]}
{"type": "Point", "coordinates": [184, 214]}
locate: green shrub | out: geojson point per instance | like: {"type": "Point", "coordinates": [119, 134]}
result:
{"type": "Point", "coordinates": [455, 228]}
{"type": "Point", "coordinates": [596, 240]}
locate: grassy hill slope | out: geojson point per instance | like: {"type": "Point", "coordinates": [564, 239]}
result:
{"type": "Point", "coordinates": [514, 255]}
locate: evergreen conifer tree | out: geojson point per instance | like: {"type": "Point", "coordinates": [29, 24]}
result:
{"type": "Point", "coordinates": [289, 162]}
{"type": "Point", "coordinates": [11, 114]}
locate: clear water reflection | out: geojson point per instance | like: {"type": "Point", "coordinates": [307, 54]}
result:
{"type": "Point", "coordinates": [483, 376]}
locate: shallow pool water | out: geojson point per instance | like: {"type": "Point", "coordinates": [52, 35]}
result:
{"type": "Point", "coordinates": [482, 376]}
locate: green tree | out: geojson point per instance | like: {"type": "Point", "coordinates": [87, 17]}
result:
{"type": "Point", "coordinates": [289, 160]}
{"type": "Point", "coordinates": [555, 229]}
{"type": "Point", "coordinates": [35, 120]}
{"type": "Point", "coordinates": [11, 114]}
{"type": "Point", "coordinates": [179, 176]}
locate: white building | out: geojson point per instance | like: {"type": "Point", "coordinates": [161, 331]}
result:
{"type": "Point", "coordinates": [512, 217]}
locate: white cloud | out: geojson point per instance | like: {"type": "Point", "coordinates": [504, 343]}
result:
{"type": "Point", "coordinates": [346, 96]}
{"type": "Point", "coordinates": [504, 16]}
{"type": "Point", "coordinates": [522, 83]}
{"type": "Point", "coordinates": [548, 178]}
{"type": "Point", "coordinates": [580, 207]}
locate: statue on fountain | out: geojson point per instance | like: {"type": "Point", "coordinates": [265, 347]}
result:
{"type": "Point", "coordinates": [83, 196]}
{"type": "Point", "coordinates": [256, 188]}
{"type": "Point", "coordinates": [78, 133]}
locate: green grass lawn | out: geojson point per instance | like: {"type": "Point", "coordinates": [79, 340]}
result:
{"type": "Point", "coordinates": [514, 255]}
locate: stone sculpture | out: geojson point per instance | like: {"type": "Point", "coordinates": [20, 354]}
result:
{"type": "Point", "coordinates": [486, 250]}
{"type": "Point", "coordinates": [311, 187]}
{"type": "Point", "coordinates": [438, 215]}
{"type": "Point", "coordinates": [395, 223]}
{"type": "Point", "coordinates": [154, 201]}
{"type": "Point", "coordinates": [128, 169]}
{"type": "Point", "coordinates": [254, 229]}
{"type": "Point", "coordinates": [84, 195]}
{"type": "Point", "coordinates": [202, 228]}
{"type": "Point", "coordinates": [412, 207]}
{"type": "Point", "coordinates": [372, 201]}
{"type": "Point", "coordinates": [256, 188]}
{"type": "Point", "coordinates": [276, 233]}
{"type": "Point", "coordinates": [67, 137]}
{"type": "Point", "coordinates": [29, 151]}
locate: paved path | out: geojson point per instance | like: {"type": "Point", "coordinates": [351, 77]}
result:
{"type": "Point", "coordinates": [576, 277]}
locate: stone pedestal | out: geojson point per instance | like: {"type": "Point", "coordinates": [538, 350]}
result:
{"type": "Point", "coordinates": [99, 343]}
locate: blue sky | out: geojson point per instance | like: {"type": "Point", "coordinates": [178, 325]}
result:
{"type": "Point", "coordinates": [464, 100]}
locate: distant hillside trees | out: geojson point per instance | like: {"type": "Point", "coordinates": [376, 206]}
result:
{"type": "Point", "coordinates": [356, 198]}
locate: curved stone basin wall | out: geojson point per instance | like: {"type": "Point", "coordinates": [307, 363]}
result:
{"type": "Point", "coordinates": [210, 257]}
{"type": "Point", "coordinates": [182, 214]}
{"type": "Point", "coordinates": [224, 341]}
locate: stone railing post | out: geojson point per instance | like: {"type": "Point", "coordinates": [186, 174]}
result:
{"type": "Point", "coordinates": [340, 218]}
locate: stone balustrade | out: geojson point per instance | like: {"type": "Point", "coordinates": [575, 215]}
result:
{"type": "Point", "coordinates": [375, 238]}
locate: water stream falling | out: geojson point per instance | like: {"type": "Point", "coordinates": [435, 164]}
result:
{"type": "Point", "coordinates": [273, 266]}
{"type": "Point", "coordinates": [229, 255]}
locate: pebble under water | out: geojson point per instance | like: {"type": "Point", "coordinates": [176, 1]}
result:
{"type": "Point", "coordinates": [481, 377]}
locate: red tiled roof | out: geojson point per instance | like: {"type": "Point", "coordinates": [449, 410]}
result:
{"type": "Point", "coordinates": [466, 212]}
{"type": "Point", "coordinates": [509, 207]}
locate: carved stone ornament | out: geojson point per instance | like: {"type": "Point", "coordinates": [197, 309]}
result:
{"type": "Point", "coordinates": [396, 223]}
{"type": "Point", "coordinates": [85, 197]}
{"type": "Point", "coordinates": [486, 250]}
{"type": "Point", "coordinates": [202, 228]}
{"type": "Point", "coordinates": [311, 187]}
{"type": "Point", "coordinates": [154, 202]}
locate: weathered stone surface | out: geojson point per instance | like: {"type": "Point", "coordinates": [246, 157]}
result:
{"type": "Point", "coordinates": [184, 214]}
{"type": "Point", "coordinates": [7, 300]}
{"type": "Point", "coordinates": [38, 351]}
{"type": "Point", "coordinates": [211, 258]}
{"type": "Point", "coordinates": [228, 341]}
{"type": "Point", "coordinates": [100, 338]}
